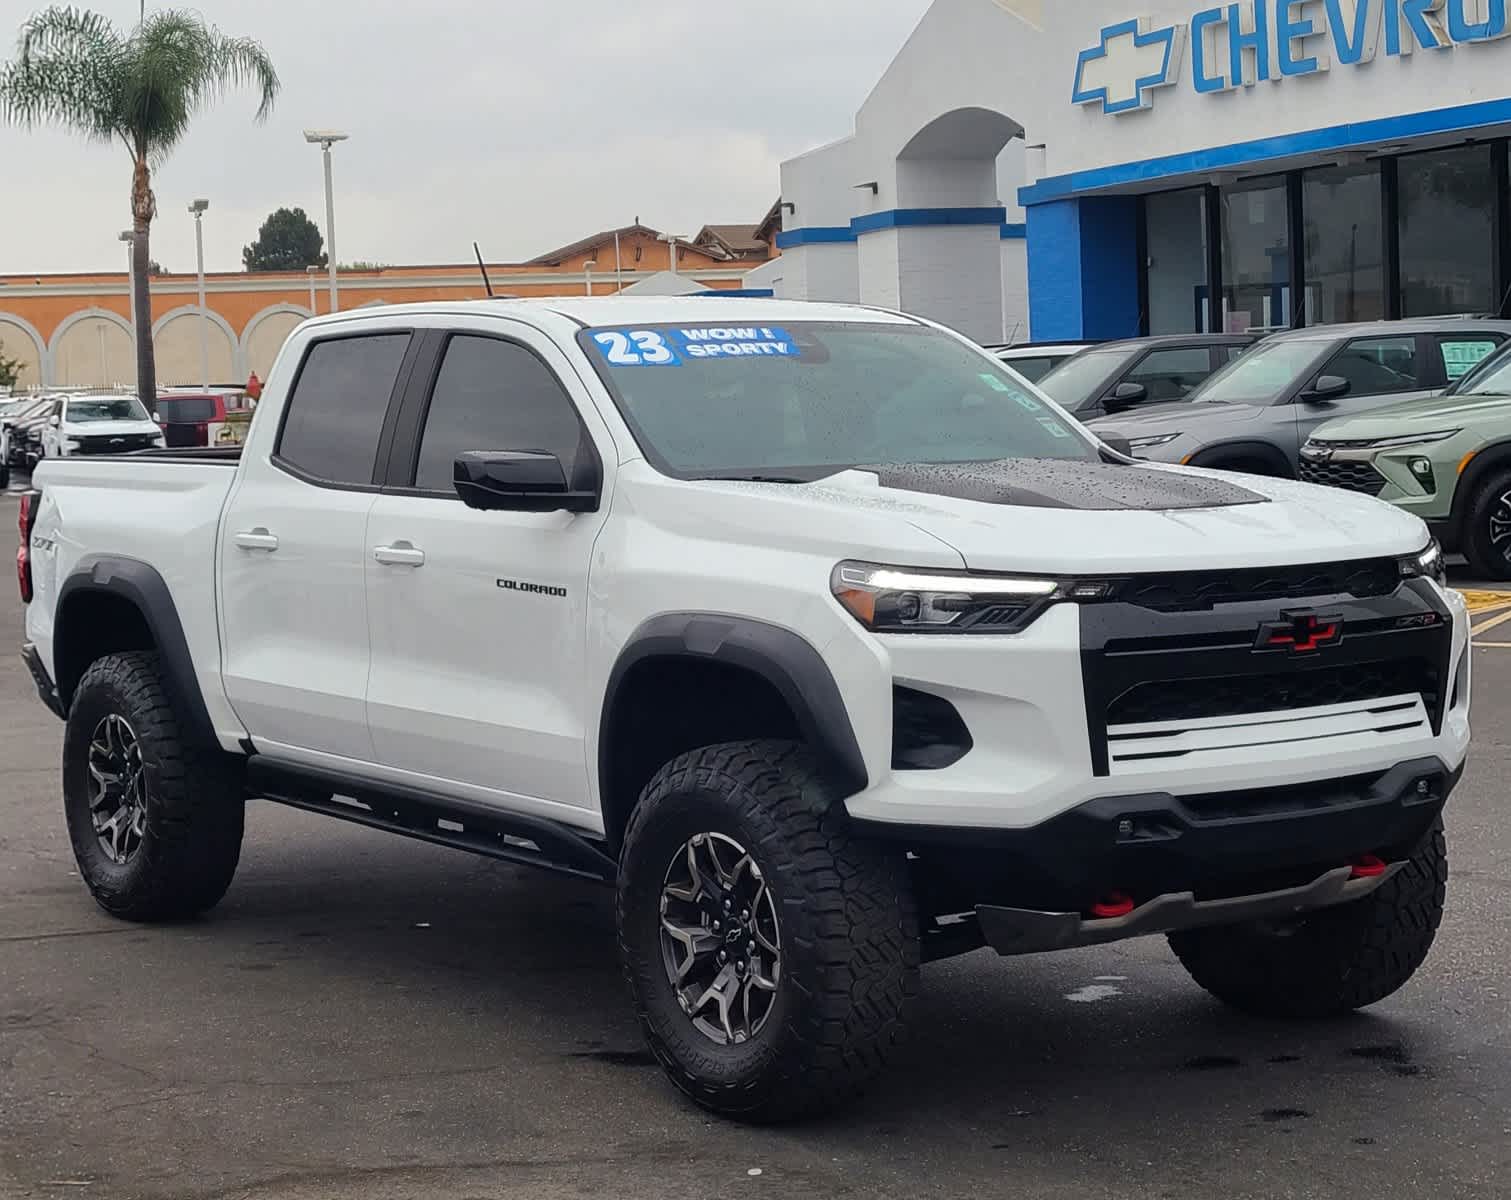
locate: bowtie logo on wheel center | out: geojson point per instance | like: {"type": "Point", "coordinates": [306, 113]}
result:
{"type": "Point", "coordinates": [1301, 632]}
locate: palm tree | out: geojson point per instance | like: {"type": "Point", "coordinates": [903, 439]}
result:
{"type": "Point", "coordinates": [76, 70]}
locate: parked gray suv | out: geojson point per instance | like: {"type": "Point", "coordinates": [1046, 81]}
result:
{"type": "Point", "coordinates": [1255, 414]}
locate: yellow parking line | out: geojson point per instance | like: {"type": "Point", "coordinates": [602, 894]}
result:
{"type": "Point", "coordinates": [1492, 645]}
{"type": "Point", "coordinates": [1481, 600]}
{"type": "Point", "coordinates": [1487, 626]}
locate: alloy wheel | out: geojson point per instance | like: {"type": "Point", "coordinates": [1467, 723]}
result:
{"type": "Point", "coordinates": [721, 942]}
{"type": "Point", "coordinates": [117, 788]}
{"type": "Point", "coordinates": [1500, 526]}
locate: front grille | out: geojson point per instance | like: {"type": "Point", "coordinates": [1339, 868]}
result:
{"type": "Point", "coordinates": [1236, 695]}
{"type": "Point", "coordinates": [1198, 591]}
{"type": "Point", "coordinates": [1351, 476]}
{"type": "Point", "coordinates": [115, 444]}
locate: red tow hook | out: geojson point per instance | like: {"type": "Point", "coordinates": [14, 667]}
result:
{"type": "Point", "coordinates": [1368, 866]}
{"type": "Point", "coordinates": [1112, 906]}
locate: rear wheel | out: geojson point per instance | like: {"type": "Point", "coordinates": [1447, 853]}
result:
{"type": "Point", "coordinates": [1328, 962]}
{"type": "Point", "coordinates": [155, 820]}
{"type": "Point", "coordinates": [772, 956]}
{"type": "Point", "coordinates": [1486, 536]}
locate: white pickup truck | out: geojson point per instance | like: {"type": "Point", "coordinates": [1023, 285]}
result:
{"type": "Point", "coordinates": [824, 638]}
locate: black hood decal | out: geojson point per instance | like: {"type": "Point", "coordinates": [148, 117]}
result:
{"type": "Point", "coordinates": [1061, 483]}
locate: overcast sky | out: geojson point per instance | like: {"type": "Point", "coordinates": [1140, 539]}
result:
{"type": "Point", "coordinates": [522, 123]}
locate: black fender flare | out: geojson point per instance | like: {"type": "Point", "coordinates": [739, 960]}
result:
{"type": "Point", "coordinates": [1264, 451]}
{"type": "Point", "coordinates": [140, 585]}
{"type": "Point", "coordinates": [782, 658]}
{"type": "Point", "coordinates": [1492, 458]}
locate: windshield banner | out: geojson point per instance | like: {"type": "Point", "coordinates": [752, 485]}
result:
{"type": "Point", "coordinates": [676, 347]}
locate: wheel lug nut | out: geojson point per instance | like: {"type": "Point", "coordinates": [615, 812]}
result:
{"type": "Point", "coordinates": [723, 957]}
{"type": "Point", "coordinates": [728, 905]}
{"type": "Point", "coordinates": [718, 926]}
{"type": "Point", "coordinates": [749, 947]}
{"type": "Point", "coordinates": [745, 914]}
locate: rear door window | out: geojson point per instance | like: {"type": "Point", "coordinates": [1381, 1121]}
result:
{"type": "Point", "coordinates": [1462, 354]}
{"type": "Point", "coordinates": [335, 417]}
{"type": "Point", "coordinates": [187, 411]}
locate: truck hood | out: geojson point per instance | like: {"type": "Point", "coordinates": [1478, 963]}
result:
{"type": "Point", "coordinates": [1038, 516]}
{"type": "Point", "coordinates": [1424, 415]}
{"type": "Point", "coordinates": [77, 429]}
{"type": "Point", "coordinates": [1175, 418]}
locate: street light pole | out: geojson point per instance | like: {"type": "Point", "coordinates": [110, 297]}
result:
{"type": "Point", "coordinates": [325, 139]}
{"type": "Point", "coordinates": [198, 209]}
{"type": "Point", "coordinates": [129, 237]}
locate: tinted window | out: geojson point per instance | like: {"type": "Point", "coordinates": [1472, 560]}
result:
{"type": "Point", "coordinates": [1171, 374]}
{"type": "Point", "coordinates": [1447, 225]}
{"type": "Point", "coordinates": [335, 416]}
{"type": "Point", "coordinates": [811, 398]}
{"type": "Point", "coordinates": [193, 409]}
{"type": "Point", "coordinates": [493, 395]}
{"type": "Point", "coordinates": [1033, 369]}
{"type": "Point", "coordinates": [1377, 366]}
{"type": "Point", "coordinates": [1462, 354]}
{"type": "Point", "coordinates": [120, 408]}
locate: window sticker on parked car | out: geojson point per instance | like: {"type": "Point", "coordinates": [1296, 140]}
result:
{"type": "Point", "coordinates": [1459, 358]}
{"type": "Point", "coordinates": [676, 347]}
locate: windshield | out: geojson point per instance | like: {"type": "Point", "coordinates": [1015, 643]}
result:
{"type": "Point", "coordinates": [116, 408]}
{"type": "Point", "coordinates": [1034, 369]}
{"type": "Point", "coordinates": [1079, 380]}
{"type": "Point", "coordinates": [808, 399]}
{"type": "Point", "coordinates": [1263, 374]}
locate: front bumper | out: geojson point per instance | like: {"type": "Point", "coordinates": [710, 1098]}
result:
{"type": "Point", "coordinates": [1183, 860]}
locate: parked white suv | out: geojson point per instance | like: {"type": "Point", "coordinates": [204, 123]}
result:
{"type": "Point", "coordinates": [816, 632]}
{"type": "Point", "coordinates": [102, 424]}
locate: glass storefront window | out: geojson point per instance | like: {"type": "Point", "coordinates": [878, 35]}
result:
{"type": "Point", "coordinates": [1342, 210]}
{"type": "Point", "coordinates": [1176, 224]}
{"type": "Point", "coordinates": [1447, 206]}
{"type": "Point", "coordinates": [1256, 255]}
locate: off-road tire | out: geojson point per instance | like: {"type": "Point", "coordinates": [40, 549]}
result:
{"type": "Point", "coordinates": [1487, 561]}
{"type": "Point", "coordinates": [192, 833]}
{"type": "Point", "coordinates": [849, 932]}
{"type": "Point", "coordinates": [1330, 962]}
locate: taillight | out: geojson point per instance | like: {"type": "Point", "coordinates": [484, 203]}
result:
{"type": "Point", "coordinates": [26, 521]}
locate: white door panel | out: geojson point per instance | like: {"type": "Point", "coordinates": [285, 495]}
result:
{"type": "Point", "coordinates": [473, 680]}
{"type": "Point", "coordinates": [293, 584]}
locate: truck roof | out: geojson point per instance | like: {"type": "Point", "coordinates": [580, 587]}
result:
{"type": "Point", "coordinates": [636, 310]}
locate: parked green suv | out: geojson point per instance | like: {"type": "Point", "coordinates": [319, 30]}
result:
{"type": "Point", "coordinates": [1446, 458]}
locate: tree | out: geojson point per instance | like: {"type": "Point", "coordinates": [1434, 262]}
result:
{"type": "Point", "coordinates": [10, 369]}
{"type": "Point", "coordinates": [287, 241]}
{"type": "Point", "coordinates": [141, 88]}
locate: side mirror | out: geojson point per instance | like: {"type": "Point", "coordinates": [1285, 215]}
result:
{"type": "Point", "coordinates": [1126, 395]}
{"type": "Point", "coordinates": [1326, 387]}
{"type": "Point", "coordinates": [157, 418]}
{"type": "Point", "coordinates": [1118, 443]}
{"type": "Point", "coordinates": [524, 481]}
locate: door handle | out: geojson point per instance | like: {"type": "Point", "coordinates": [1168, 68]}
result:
{"type": "Point", "coordinates": [256, 539]}
{"type": "Point", "coordinates": [400, 554]}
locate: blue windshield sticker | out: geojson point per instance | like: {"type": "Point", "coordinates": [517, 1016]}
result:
{"type": "Point", "coordinates": [676, 347]}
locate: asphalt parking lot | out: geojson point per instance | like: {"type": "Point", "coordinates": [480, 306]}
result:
{"type": "Point", "coordinates": [365, 1016]}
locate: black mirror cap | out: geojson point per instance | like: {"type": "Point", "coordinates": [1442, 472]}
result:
{"type": "Point", "coordinates": [525, 481]}
{"type": "Point", "coordinates": [1125, 396]}
{"type": "Point", "coordinates": [1327, 387]}
{"type": "Point", "coordinates": [1117, 443]}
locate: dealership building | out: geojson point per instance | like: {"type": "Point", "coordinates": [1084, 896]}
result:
{"type": "Point", "coordinates": [1103, 168]}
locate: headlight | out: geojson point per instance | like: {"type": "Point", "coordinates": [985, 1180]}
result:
{"type": "Point", "coordinates": [899, 600]}
{"type": "Point", "coordinates": [1390, 443]}
{"type": "Point", "coordinates": [1425, 564]}
{"type": "Point", "coordinates": [71, 443]}
{"type": "Point", "coordinates": [1146, 443]}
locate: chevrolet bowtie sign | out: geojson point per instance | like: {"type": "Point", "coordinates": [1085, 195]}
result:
{"type": "Point", "coordinates": [1257, 41]}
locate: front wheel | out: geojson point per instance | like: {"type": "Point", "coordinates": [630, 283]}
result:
{"type": "Point", "coordinates": [772, 956]}
{"type": "Point", "coordinates": [1332, 961]}
{"type": "Point", "coordinates": [1486, 536]}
